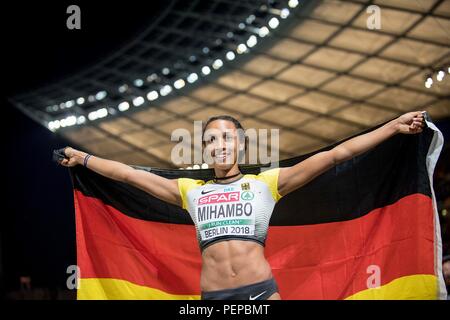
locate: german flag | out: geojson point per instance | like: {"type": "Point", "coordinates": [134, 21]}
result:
{"type": "Point", "coordinates": [366, 229]}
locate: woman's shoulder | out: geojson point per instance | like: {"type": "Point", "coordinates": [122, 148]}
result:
{"type": "Point", "coordinates": [264, 175]}
{"type": "Point", "coordinates": [187, 184]}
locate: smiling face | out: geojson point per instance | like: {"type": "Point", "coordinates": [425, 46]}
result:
{"type": "Point", "coordinates": [222, 143]}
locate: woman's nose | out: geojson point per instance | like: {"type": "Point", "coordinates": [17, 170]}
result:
{"type": "Point", "coordinates": [220, 143]}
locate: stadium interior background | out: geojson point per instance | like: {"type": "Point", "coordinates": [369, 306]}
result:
{"type": "Point", "coordinates": [136, 70]}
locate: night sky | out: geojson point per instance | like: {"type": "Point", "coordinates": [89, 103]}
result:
{"type": "Point", "coordinates": [37, 217]}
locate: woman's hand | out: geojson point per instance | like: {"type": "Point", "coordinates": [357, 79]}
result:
{"type": "Point", "coordinates": [74, 157]}
{"type": "Point", "coordinates": [411, 122]}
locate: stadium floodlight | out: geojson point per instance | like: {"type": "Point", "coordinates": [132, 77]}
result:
{"type": "Point", "coordinates": [100, 95]}
{"type": "Point", "coordinates": [97, 114]}
{"type": "Point", "coordinates": [123, 88]}
{"type": "Point", "coordinates": [138, 82]}
{"type": "Point", "coordinates": [206, 70]}
{"type": "Point", "coordinates": [252, 41]}
{"type": "Point", "coordinates": [179, 84]}
{"type": "Point", "coordinates": [152, 95]}
{"type": "Point", "coordinates": [263, 31]}
{"type": "Point", "coordinates": [71, 121]}
{"type": "Point", "coordinates": [165, 90]}
{"type": "Point", "coordinates": [293, 3]}
{"type": "Point", "coordinates": [68, 121]}
{"type": "Point", "coordinates": [103, 112]}
{"type": "Point", "coordinates": [81, 120]}
{"type": "Point", "coordinates": [152, 77]}
{"type": "Point", "coordinates": [54, 125]}
{"type": "Point", "coordinates": [80, 100]}
{"type": "Point", "coordinates": [230, 55]}
{"type": "Point", "coordinates": [165, 71]}
{"type": "Point", "coordinates": [70, 104]}
{"type": "Point", "coordinates": [273, 23]}
{"type": "Point", "coordinates": [284, 13]}
{"type": "Point", "coordinates": [138, 101]}
{"type": "Point", "coordinates": [92, 115]}
{"type": "Point", "coordinates": [241, 26]}
{"type": "Point", "coordinates": [192, 77]}
{"type": "Point", "coordinates": [217, 64]}
{"type": "Point", "coordinates": [241, 48]}
{"type": "Point", "coordinates": [250, 19]}
{"type": "Point", "coordinates": [123, 106]}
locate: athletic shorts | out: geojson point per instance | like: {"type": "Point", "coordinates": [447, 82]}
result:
{"type": "Point", "coordinates": [256, 291]}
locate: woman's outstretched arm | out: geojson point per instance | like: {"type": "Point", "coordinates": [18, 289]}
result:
{"type": "Point", "coordinates": [160, 187]}
{"type": "Point", "coordinates": [291, 178]}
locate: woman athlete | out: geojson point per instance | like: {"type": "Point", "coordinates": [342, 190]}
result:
{"type": "Point", "coordinates": [231, 213]}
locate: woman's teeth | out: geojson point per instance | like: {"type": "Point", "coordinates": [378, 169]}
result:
{"type": "Point", "coordinates": [221, 157]}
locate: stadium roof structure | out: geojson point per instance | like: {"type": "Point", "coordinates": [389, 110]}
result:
{"type": "Point", "coordinates": [316, 70]}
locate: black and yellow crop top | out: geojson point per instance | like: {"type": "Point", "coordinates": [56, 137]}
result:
{"type": "Point", "coordinates": [237, 210]}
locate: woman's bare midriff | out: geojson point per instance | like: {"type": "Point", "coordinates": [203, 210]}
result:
{"type": "Point", "coordinates": [234, 263]}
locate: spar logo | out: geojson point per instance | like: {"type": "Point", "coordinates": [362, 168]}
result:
{"type": "Point", "coordinates": [220, 197]}
{"type": "Point", "coordinates": [247, 195]}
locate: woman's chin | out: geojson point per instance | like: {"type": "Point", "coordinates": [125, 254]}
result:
{"type": "Point", "coordinates": [223, 165]}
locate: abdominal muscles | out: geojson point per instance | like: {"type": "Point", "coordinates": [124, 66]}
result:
{"type": "Point", "coordinates": [233, 263]}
